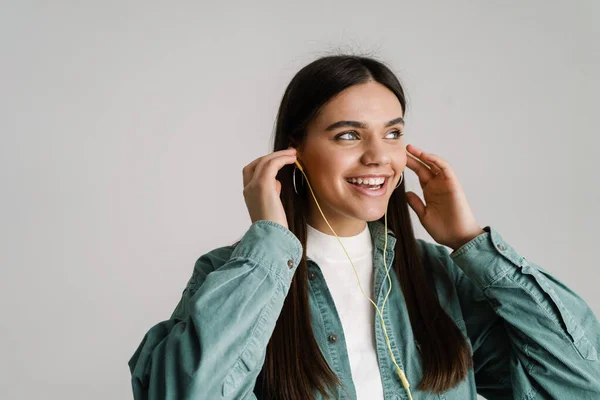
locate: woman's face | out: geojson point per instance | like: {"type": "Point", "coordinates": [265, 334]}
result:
{"type": "Point", "coordinates": [357, 134]}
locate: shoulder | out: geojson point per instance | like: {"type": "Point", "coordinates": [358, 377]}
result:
{"type": "Point", "coordinates": [434, 257]}
{"type": "Point", "coordinates": [431, 250]}
{"type": "Point", "coordinates": [436, 260]}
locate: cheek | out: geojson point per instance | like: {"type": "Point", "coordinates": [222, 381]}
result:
{"type": "Point", "coordinates": [400, 161]}
{"type": "Point", "coordinates": [331, 168]}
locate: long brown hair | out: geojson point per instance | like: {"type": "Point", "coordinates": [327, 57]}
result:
{"type": "Point", "coordinates": [294, 365]}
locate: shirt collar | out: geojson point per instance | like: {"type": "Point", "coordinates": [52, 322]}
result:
{"type": "Point", "coordinates": [377, 233]}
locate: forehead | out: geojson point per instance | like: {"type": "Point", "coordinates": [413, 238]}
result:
{"type": "Point", "coordinates": [368, 102]}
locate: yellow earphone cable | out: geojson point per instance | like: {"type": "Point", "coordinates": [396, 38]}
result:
{"type": "Point", "coordinates": [399, 370]}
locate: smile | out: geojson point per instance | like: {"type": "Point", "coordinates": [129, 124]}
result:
{"type": "Point", "coordinates": [371, 187]}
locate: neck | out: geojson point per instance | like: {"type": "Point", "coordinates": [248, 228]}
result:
{"type": "Point", "coordinates": [342, 225]}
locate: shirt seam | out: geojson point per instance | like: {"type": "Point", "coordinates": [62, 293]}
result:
{"type": "Point", "coordinates": [464, 248]}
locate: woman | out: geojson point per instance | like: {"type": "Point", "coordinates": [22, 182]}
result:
{"type": "Point", "coordinates": [280, 314]}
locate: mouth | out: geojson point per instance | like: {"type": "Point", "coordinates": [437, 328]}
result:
{"type": "Point", "coordinates": [372, 190]}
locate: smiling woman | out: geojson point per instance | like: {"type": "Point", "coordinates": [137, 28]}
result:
{"type": "Point", "coordinates": [278, 315]}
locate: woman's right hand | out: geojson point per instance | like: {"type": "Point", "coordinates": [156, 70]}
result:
{"type": "Point", "coordinates": [262, 190]}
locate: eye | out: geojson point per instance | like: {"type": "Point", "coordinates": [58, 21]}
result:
{"type": "Point", "coordinates": [398, 133]}
{"type": "Point", "coordinates": [345, 133]}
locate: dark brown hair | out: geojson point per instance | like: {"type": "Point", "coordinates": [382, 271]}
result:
{"type": "Point", "coordinates": [294, 365]}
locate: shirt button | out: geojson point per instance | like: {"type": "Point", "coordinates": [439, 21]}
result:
{"type": "Point", "coordinates": [333, 338]}
{"type": "Point", "coordinates": [501, 247]}
{"type": "Point", "coordinates": [291, 263]}
{"type": "Point", "coordinates": [312, 276]}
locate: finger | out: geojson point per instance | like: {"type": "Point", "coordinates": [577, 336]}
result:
{"type": "Point", "coordinates": [269, 157]}
{"type": "Point", "coordinates": [418, 154]}
{"type": "Point", "coordinates": [439, 166]}
{"type": "Point", "coordinates": [436, 163]}
{"type": "Point", "coordinates": [420, 168]}
{"type": "Point", "coordinates": [268, 168]}
{"type": "Point", "coordinates": [249, 170]}
{"type": "Point", "coordinates": [415, 202]}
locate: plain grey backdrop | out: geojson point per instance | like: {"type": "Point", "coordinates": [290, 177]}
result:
{"type": "Point", "coordinates": [126, 125]}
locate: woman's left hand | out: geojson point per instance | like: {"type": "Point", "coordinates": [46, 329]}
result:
{"type": "Point", "coordinates": [447, 216]}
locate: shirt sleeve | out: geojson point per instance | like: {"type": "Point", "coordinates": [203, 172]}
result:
{"type": "Point", "coordinates": [531, 335]}
{"type": "Point", "coordinates": [214, 344]}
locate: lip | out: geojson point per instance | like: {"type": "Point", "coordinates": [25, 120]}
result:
{"type": "Point", "coordinates": [367, 176]}
{"type": "Point", "coordinates": [372, 193]}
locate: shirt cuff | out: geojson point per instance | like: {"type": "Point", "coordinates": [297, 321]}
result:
{"type": "Point", "coordinates": [487, 257]}
{"type": "Point", "coordinates": [273, 245]}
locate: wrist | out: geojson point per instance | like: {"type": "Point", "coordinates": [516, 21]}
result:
{"type": "Point", "coordinates": [467, 238]}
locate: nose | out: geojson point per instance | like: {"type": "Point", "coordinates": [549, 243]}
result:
{"type": "Point", "coordinates": [376, 152]}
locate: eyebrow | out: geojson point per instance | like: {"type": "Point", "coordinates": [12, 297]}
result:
{"type": "Point", "coordinates": [361, 125]}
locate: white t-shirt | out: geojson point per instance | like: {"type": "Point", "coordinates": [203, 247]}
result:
{"type": "Point", "coordinates": [356, 312]}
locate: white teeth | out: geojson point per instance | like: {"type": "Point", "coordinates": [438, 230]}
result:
{"type": "Point", "coordinates": [370, 181]}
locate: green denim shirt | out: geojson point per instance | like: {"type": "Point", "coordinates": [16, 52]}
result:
{"type": "Point", "coordinates": [531, 336]}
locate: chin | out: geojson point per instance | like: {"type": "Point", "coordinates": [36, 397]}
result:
{"type": "Point", "coordinates": [371, 215]}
